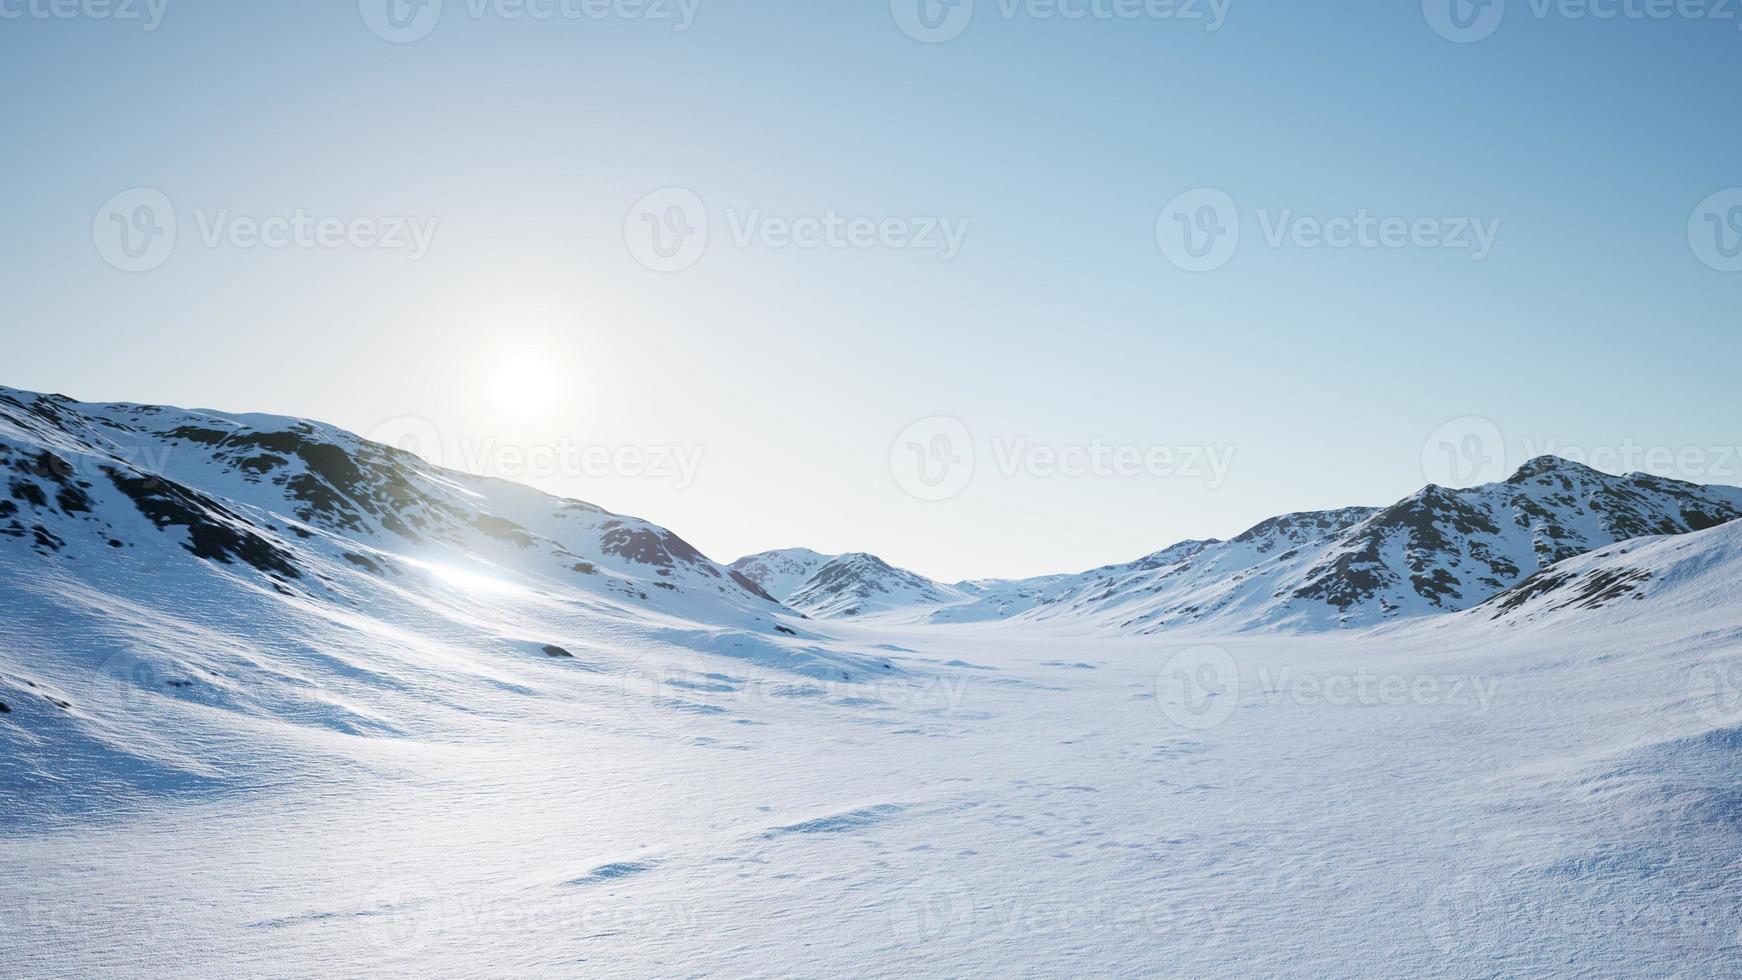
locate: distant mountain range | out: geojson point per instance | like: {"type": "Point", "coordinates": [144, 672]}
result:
{"type": "Point", "coordinates": [300, 508]}
{"type": "Point", "coordinates": [1436, 551]}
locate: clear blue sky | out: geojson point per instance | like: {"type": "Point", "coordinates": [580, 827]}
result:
{"type": "Point", "coordinates": [1061, 322]}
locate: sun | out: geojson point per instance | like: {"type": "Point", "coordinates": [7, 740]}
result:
{"type": "Point", "coordinates": [524, 385]}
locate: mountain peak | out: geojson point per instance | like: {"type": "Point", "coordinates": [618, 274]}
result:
{"type": "Point", "coordinates": [1549, 464]}
{"type": "Point", "coordinates": [858, 582]}
{"type": "Point", "coordinates": [780, 572]}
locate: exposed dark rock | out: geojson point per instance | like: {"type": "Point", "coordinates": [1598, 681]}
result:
{"type": "Point", "coordinates": [744, 582]}
{"type": "Point", "coordinates": [1448, 537]}
{"type": "Point", "coordinates": [263, 463]}
{"type": "Point", "coordinates": [214, 533]}
{"type": "Point", "coordinates": [504, 530]}
{"type": "Point", "coordinates": [364, 562]}
{"type": "Point", "coordinates": [1564, 589]}
{"type": "Point", "coordinates": [73, 500]}
{"type": "Point", "coordinates": [29, 493]}
{"type": "Point", "coordinates": [649, 546]}
{"type": "Point", "coordinates": [199, 434]}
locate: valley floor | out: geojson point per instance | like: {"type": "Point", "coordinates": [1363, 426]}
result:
{"type": "Point", "coordinates": [1007, 803]}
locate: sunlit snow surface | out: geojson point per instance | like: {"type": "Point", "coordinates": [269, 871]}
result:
{"type": "Point", "coordinates": [1549, 796]}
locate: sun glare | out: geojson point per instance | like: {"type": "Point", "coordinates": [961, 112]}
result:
{"type": "Point", "coordinates": [466, 580]}
{"type": "Point", "coordinates": [524, 385]}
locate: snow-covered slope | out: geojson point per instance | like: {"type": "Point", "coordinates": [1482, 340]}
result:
{"type": "Point", "coordinates": [1191, 581]}
{"type": "Point", "coordinates": [1668, 578]}
{"type": "Point", "coordinates": [1447, 550]}
{"type": "Point", "coordinates": [288, 572]}
{"type": "Point", "coordinates": [1437, 551]}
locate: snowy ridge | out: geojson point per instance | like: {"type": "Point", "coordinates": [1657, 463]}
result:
{"type": "Point", "coordinates": [269, 495]}
{"type": "Point", "coordinates": [253, 490]}
{"type": "Point", "coordinates": [1437, 551]}
{"type": "Point", "coordinates": [1192, 580]}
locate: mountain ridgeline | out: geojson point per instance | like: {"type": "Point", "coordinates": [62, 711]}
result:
{"type": "Point", "coordinates": [1436, 551]}
{"type": "Point", "coordinates": [284, 501]}
{"type": "Point", "coordinates": [298, 507]}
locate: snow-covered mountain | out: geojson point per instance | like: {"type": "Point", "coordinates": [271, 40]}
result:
{"type": "Point", "coordinates": [859, 584]}
{"type": "Point", "coordinates": [844, 586]}
{"type": "Point", "coordinates": [1439, 550]}
{"type": "Point", "coordinates": [1195, 578]}
{"type": "Point", "coordinates": [780, 572]}
{"type": "Point", "coordinates": [157, 563]}
{"type": "Point", "coordinates": [275, 497]}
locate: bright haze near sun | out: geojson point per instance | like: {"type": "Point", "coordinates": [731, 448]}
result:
{"type": "Point", "coordinates": [524, 386]}
{"type": "Point", "coordinates": [533, 323]}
